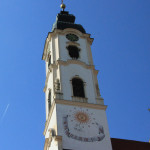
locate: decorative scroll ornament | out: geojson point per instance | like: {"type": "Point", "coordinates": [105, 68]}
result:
{"type": "Point", "coordinates": [57, 85]}
{"type": "Point", "coordinates": [51, 135]}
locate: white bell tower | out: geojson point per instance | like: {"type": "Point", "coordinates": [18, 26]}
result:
{"type": "Point", "coordinates": [75, 111]}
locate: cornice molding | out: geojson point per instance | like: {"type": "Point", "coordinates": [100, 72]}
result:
{"type": "Point", "coordinates": [80, 104]}
{"type": "Point", "coordinates": [71, 103]}
{"type": "Point", "coordinates": [77, 32]}
{"type": "Point", "coordinates": [73, 31]}
{"type": "Point", "coordinates": [73, 61]}
{"type": "Point", "coordinates": [58, 138]}
{"type": "Point", "coordinates": [66, 63]}
{"type": "Point", "coordinates": [72, 43]}
{"type": "Point", "coordinates": [79, 99]}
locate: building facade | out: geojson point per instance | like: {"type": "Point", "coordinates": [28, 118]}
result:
{"type": "Point", "coordinates": [75, 111]}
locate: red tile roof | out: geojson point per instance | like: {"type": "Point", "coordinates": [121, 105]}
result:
{"type": "Point", "coordinates": [121, 144]}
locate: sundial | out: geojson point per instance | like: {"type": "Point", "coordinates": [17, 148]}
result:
{"type": "Point", "coordinates": [82, 124]}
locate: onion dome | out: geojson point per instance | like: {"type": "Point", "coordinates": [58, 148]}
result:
{"type": "Point", "coordinates": [65, 20]}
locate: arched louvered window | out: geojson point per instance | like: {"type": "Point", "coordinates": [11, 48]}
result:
{"type": "Point", "coordinates": [78, 87]}
{"type": "Point", "coordinates": [73, 51]}
{"type": "Point", "coordinates": [49, 100]}
{"type": "Point", "coordinates": [49, 61]}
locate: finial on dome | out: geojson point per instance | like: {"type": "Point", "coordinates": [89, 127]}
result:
{"type": "Point", "coordinates": [63, 6]}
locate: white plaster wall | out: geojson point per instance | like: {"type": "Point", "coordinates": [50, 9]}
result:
{"type": "Point", "coordinates": [54, 48]}
{"type": "Point", "coordinates": [57, 47]}
{"type": "Point", "coordinates": [89, 52]}
{"type": "Point", "coordinates": [46, 109]}
{"type": "Point", "coordinates": [54, 145]}
{"type": "Point", "coordinates": [59, 51]}
{"type": "Point", "coordinates": [70, 71]}
{"type": "Point", "coordinates": [46, 103]}
{"type": "Point", "coordinates": [52, 123]}
{"type": "Point", "coordinates": [56, 40]}
{"type": "Point", "coordinates": [49, 86]}
{"type": "Point", "coordinates": [69, 143]}
{"type": "Point", "coordinates": [46, 66]}
{"type": "Point", "coordinates": [64, 55]}
{"type": "Point", "coordinates": [83, 52]}
{"type": "Point", "coordinates": [62, 48]}
{"type": "Point", "coordinates": [49, 51]}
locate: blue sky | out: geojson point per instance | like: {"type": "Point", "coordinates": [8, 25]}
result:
{"type": "Point", "coordinates": [121, 51]}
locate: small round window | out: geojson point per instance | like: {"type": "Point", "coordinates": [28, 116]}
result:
{"type": "Point", "coordinates": [73, 52]}
{"type": "Point", "coordinates": [72, 37]}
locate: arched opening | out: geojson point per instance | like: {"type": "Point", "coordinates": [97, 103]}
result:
{"type": "Point", "coordinates": [78, 87]}
{"type": "Point", "coordinates": [73, 51]}
{"type": "Point", "coordinates": [49, 61]}
{"type": "Point", "coordinates": [49, 100]}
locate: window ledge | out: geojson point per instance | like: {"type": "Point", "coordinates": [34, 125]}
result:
{"type": "Point", "coordinates": [80, 99]}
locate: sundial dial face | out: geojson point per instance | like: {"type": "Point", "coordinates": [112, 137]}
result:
{"type": "Point", "coordinates": [80, 124]}
{"type": "Point", "coordinates": [81, 117]}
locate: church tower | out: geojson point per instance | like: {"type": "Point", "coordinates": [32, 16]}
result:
{"type": "Point", "coordinates": [75, 111]}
